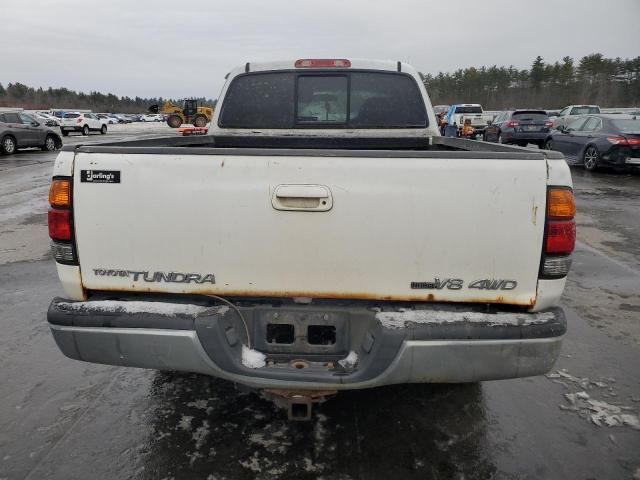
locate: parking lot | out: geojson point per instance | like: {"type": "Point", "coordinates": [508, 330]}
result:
{"type": "Point", "coordinates": [109, 422]}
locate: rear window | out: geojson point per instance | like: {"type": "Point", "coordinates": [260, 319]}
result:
{"type": "Point", "coordinates": [71, 115]}
{"type": "Point", "coordinates": [584, 110]}
{"type": "Point", "coordinates": [530, 115]}
{"type": "Point", "coordinates": [469, 109]}
{"type": "Point", "coordinates": [627, 126]}
{"type": "Point", "coordinates": [323, 100]}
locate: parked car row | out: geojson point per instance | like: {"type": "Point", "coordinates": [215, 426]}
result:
{"type": "Point", "coordinates": [109, 118]}
{"type": "Point", "coordinates": [130, 118]}
{"type": "Point", "coordinates": [583, 134]}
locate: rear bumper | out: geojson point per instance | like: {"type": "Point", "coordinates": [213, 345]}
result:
{"type": "Point", "coordinates": [524, 136]}
{"type": "Point", "coordinates": [622, 158]}
{"type": "Point", "coordinates": [208, 342]}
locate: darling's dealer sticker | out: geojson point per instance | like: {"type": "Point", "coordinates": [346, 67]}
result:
{"type": "Point", "coordinates": [100, 176]}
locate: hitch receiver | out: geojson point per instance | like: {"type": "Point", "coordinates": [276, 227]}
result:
{"type": "Point", "coordinates": [298, 403]}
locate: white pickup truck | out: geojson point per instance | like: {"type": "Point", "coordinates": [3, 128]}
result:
{"type": "Point", "coordinates": [457, 115]}
{"type": "Point", "coordinates": [322, 237]}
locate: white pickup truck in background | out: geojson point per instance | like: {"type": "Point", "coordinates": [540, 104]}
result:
{"type": "Point", "coordinates": [572, 112]}
{"type": "Point", "coordinates": [322, 237]}
{"type": "Point", "coordinates": [473, 112]}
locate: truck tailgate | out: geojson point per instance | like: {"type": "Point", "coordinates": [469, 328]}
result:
{"type": "Point", "coordinates": [391, 227]}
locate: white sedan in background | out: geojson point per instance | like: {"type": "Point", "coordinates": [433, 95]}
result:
{"type": "Point", "coordinates": [154, 117]}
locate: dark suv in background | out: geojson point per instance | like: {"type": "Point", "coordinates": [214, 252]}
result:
{"type": "Point", "coordinates": [19, 130]}
{"type": "Point", "coordinates": [519, 127]}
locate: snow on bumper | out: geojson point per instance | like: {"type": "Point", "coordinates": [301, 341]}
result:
{"type": "Point", "coordinates": [431, 345]}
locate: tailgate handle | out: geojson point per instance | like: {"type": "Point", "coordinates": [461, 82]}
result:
{"type": "Point", "coordinates": [307, 198]}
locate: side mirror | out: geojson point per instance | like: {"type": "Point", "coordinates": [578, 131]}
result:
{"type": "Point", "coordinates": [35, 124]}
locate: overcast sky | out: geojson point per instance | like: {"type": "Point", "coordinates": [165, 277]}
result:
{"type": "Point", "coordinates": [151, 48]}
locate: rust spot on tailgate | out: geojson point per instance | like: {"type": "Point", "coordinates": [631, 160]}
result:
{"type": "Point", "coordinates": [430, 297]}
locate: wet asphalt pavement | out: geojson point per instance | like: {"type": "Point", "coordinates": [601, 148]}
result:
{"type": "Point", "coordinates": [63, 419]}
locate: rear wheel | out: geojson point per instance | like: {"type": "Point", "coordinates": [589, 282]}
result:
{"type": "Point", "coordinates": [174, 121]}
{"type": "Point", "coordinates": [49, 144]}
{"type": "Point", "coordinates": [548, 144]}
{"type": "Point", "coordinates": [103, 130]}
{"type": "Point", "coordinates": [200, 121]}
{"type": "Point", "coordinates": [85, 130]}
{"type": "Point", "coordinates": [590, 158]}
{"type": "Point", "coordinates": [8, 145]}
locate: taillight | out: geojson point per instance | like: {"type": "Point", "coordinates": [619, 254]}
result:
{"type": "Point", "coordinates": [548, 124]}
{"type": "Point", "coordinates": [61, 221]}
{"type": "Point", "coordinates": [60, 224]}
{"type": "Point", "coordinates": [623, 141]}
{"type": "Point", "coordinates": [79, 120]}
{"type": "Point", "coordinates": [322, 62]}
{"type": "Point", "coordinates": [559, 233]}
{"type": "Point", "coordinates": [512, 123]}
{"type": "Point", "coordinates": [560, 238]}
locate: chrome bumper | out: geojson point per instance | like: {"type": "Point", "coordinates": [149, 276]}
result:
{"type": "Point", "coordinates": [411, 354]}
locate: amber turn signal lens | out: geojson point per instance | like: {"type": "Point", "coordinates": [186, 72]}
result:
{"type": "Point", "coordinates": [561, 204]}
{"type": "Point", "coordinates": [60, 193]}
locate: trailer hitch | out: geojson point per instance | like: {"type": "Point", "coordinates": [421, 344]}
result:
{"type": "Point", "coordinates": [298, 403]}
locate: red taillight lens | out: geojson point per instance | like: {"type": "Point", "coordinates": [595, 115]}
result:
{"type": "Point", "coordinates": [617, 140]}
{"type": "Point", "coordinates": [561, 237]}
{"type": "Point", "coordinates": [59, 224]}
{"type": "Point", "coordinates": [548, 124]}
{"type": "Point", "coordinates": [512, 123]}
{"type": "Point", "coordinates": [79, 120]}
{"type": "Point", "coordinates": [322, 62]}
{"type": "Point", "coordinates": [623, 141]}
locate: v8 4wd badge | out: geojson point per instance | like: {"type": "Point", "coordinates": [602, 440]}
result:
{"type": "Point", "coordinates": [458, 284]}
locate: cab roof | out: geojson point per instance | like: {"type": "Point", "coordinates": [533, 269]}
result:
{"type": "Point", "coordinates": [356, 64]}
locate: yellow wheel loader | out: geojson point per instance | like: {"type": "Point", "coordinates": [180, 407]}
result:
{"type": "Point", "coordinates": [189, 112]}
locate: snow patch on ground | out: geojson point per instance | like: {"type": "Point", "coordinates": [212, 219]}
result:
{"type": "Point", "coordinates": [259, 439]}
{"type": "Point", "coordinates": [349, 361]}
{"type": "Point", "coordinates": [252, 464]}
{"type": "Point", "coordinates": [598, 412]}
{"type": "Point", "coordinates": [400, 319]}
{"type": "Point", "coordinates": [161, 308]}
{"type": "Point", "coordinates": [201, 434]}
{"type": "Point", "coordinates": [199, 404]}
{"type": "Point", "coordinates": [185, 423]}
{"type": "Point", "coordinates": [252, 358]}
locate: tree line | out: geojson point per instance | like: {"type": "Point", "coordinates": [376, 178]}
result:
{"type": "Point", "coordinates": [594, 79]}
{"type": "Point", "coordinates": [29, 98]}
